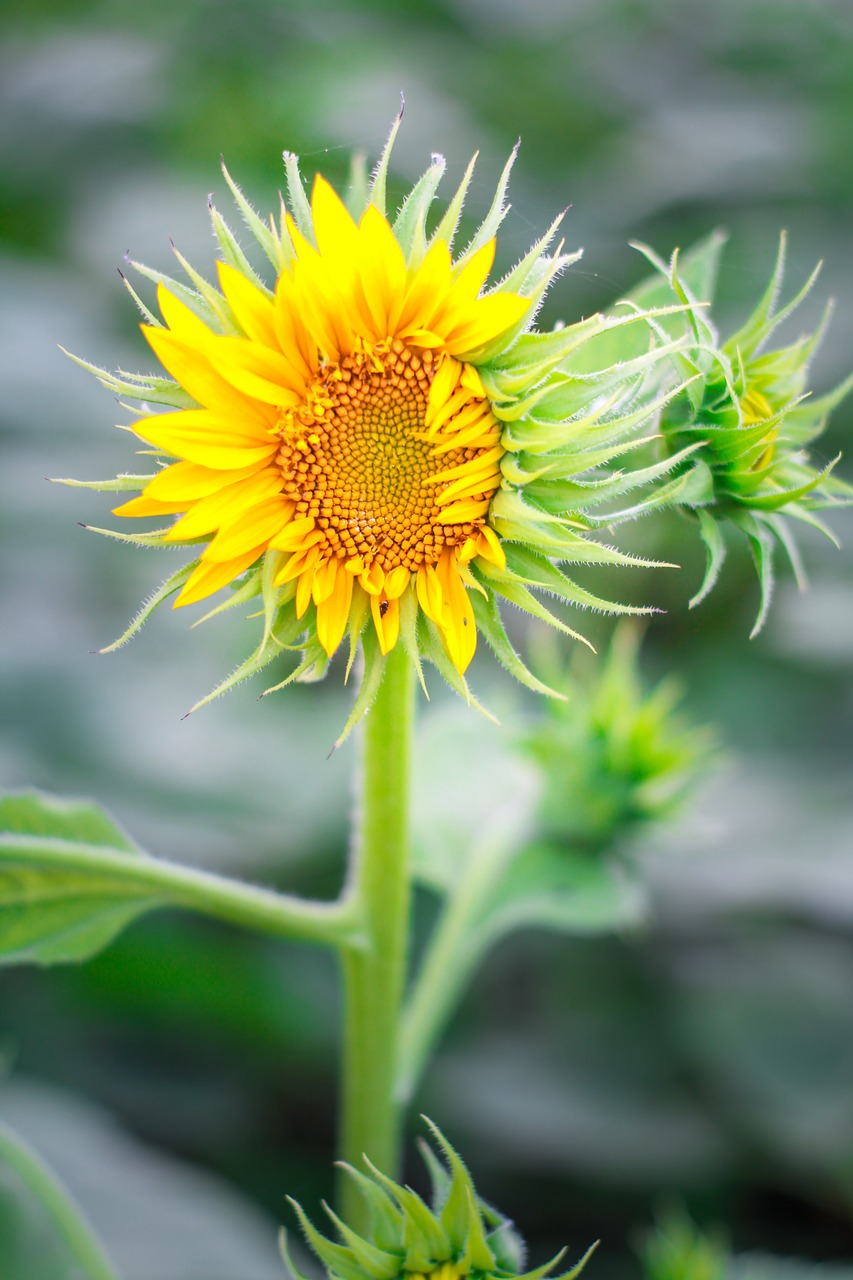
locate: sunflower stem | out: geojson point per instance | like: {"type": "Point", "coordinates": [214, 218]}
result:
{"type": "Point", "coordinates": [375, 976]}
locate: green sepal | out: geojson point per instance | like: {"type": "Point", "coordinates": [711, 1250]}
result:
{"type": "Point", "coordinates": [378, 1263]}
{"type": "Point", "coordinates": [386, 1220]}
{"type": "Point", "coordinates": [231, 251]}
{"type": "Point", "coordinates": [284, 1250]}
{"type": "Point", "coordinates": [224, 316]}
{"type": "Point", "coordinates": [172, 584]}
{"type": "Point", "coordinates": [374, 670]}
{"type": "Point", "coordinates": [477, 1256]}
{"type": "Point", "coordinates": [380, 174]}
{"type": "Point", "coordinates": [439, 1177]}
{"type": "Point", "coordinates": [509, 588]}
{"type": "Point", "coordinates": [715, 548]}
{"type": "Point", "coordinates": [147, 314]}
{"type": "Point", "coordinates": [410, 224]}
{"type": "Point", "coordinates": [424, 1242]}
{"type": "Point", "coordinates": [490, 225]}
{"type": "Point", "coordinates": [339, 1259]}
{"type": "Point", "coordinates": [138, 386]}
{"type": "Point", "coordinates": [489, 623]}
{"type": "Point", "coordinates": [154, 539]}
{"type": "Point", "coordinates": [460, 1202]}
{"type": "Point", "coordinates": [409, 611]}
{"type": "Point", "coordinates": [300, 209]}
{"type": "Point", "coordinates": [534, 355]}
{"type": "Point", "coordinates": [309, 670]}
{"type": "Point", "coordinates": [270, 244]}
{"type": "Point", "coordinates": [698, 269]}
{"type": "Point", "coordinates": [208, 304]}
{"type": "Point", "coordinates": [535, 570]}
{"type": "Point", "coordinates": [120, 484]}
{"type": "Point", "coordinates": [517, 279]}
{"type": "Point", "coordinates": [449, 223]}
{"type": "Point", "coordinates": [241, 593]}
{"type": "Point", "coordinates": [283, 636]}
{"type": "Point", "coordinates": [356, 623]}
{"type": "Point", "coordinates": [761, 545]}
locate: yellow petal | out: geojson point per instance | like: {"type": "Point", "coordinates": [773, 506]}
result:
{"type": "Point", "coordinates": [186, 482]}
{"type": "Point", "coordinates": [253, 310]}
{"type": "Point", "coordinates": [491, 316]}
{"type": "Point", "coordinates": [225, 506]}
{"type": "Point", "coordinates": [333, 612]}
{"type": "Point", "coordinates": [459, 630]}
{"type": "Point", "coordinates": [252, 528]}
{"type": "Point", "coordinates": [386, 620]}
{"type": "Point", "coordinates": [211, 575]}
{"type": "Point", "coordinates": [474, 274]}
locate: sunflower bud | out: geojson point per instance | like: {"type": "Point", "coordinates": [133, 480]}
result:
{"type": "Point", "coordinates": [678, 1250]}
{"type": "Point", "coordinates": [753, 418]}
{"type": "Point", "coordinates": [614, 756]}
{"type": "Point", "coordinates": [456, 1236]}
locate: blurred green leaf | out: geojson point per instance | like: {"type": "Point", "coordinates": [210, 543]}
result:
{"type": "Point", "coordinates": [556, 888]}
{"type": "Point", "coordinates": [70, 880]}
{"type": "Point", "coordinates": [51, 915]}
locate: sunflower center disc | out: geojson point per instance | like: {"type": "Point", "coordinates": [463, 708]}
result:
{"type": "Point", "coordinates": [355, 458]}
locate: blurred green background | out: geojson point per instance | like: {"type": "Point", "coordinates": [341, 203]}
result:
{"type": "Point", "coordinates": [185, 1080]}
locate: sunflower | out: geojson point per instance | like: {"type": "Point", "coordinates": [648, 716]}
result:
{"type": "Point", "coordinates": [347, 426]}
{"type": "Point", "coordinates": [379, 444]}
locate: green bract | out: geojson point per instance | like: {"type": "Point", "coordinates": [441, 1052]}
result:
{"type": "Point", "coordinates": [748, 413]}
{"type": "Point", "coordinates": [458, 1235]}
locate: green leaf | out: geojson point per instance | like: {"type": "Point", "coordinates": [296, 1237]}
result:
{"type": "Point", "coordinates": [55, 915]}
{"type": "Point", "coordinates": [555, 888]}
{"type": "Point", "coordinates": [70, 880]}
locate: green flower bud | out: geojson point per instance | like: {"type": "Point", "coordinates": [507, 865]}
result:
{"type": "Point", "coordinates": [614, 756]}
{"type": "Point", "coordinates": [456, 1237]}
{"type": "Point", "coordinates": [677, 1250]}
{"type": "Point", "coordinates": [749, 411]}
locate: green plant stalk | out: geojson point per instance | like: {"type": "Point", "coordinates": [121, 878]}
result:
{"type": "Point", "coordinates": [169, 884]}
{"type": "Point", "coordinates": [57, 1203]}
{"type": "Point", "coordinates": [456, 948]}
{"type": "Point", "coordinates": [374, 977]}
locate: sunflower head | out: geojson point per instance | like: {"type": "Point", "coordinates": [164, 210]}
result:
{"type": "Point", "coordinates": [370, 440]}
{"type": "Point", "coordinates": [748, 410]}
{"type": "Point", "coordinates": [455, 1236]}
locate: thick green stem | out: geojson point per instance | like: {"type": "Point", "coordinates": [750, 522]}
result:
{"type": "Point", "coordinates": [375, 976]}
{"type": "Point", "coordinates": [64, 1214]}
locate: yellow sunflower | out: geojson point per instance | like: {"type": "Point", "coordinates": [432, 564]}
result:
{"type": "Point", "coordinates": [379, 445]}
{"type": "Point", "coordinates": [344, 426]}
